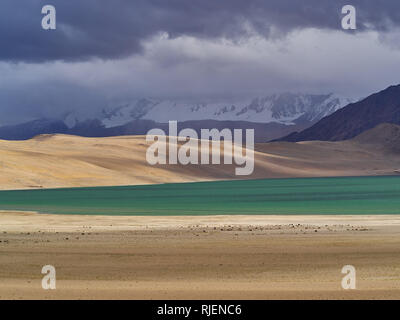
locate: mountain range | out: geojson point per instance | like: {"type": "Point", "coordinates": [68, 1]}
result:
{"type": "Point", "coordinates": [272, 117]}
{"type": "Point", "coordinates": [286, 108]}
{"type": "Point", "coordinates": [295, 117]}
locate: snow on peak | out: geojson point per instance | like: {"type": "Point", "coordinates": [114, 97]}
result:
{"type": "Point", "coordinates": [285, 108]}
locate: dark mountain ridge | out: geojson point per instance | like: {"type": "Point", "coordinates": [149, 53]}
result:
{"type": "Point", "coordinates": [355, 118]}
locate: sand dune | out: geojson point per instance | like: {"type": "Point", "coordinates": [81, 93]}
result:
{"type": "Point", "coordinates": [51, 161]}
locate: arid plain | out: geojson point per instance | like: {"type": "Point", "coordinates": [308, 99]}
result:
{"type": "Point", "coordinates": [241, 257]}
{"type": "Point", "coordinates": [207, 257]}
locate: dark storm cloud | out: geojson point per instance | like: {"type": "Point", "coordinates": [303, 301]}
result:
{"type": "Point", "coordinates": [114, 29]}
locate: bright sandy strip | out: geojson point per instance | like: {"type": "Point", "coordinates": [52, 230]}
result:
{"type": "Point", "coordinates": [218, 257]}
{"type": "Point", "coordinates": [69, 161]}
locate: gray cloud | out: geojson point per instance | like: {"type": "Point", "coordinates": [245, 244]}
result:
{"type": "Point", "coordinates": [312, 61]}
{"type": "Point", "coordinates": [109, 52]}
{"type": "Point", "coordinates": [115, 29]}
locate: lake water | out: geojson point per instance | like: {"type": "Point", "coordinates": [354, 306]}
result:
{"type": "Point", "coordinates": [339, 195]}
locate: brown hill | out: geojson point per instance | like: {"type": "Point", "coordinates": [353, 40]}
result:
{"type": "Point", "coordinates": [52, 161]}
{"type": "Point", "coordinates": [385, 135]}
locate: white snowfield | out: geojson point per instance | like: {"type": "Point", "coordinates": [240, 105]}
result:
{"type": "Point", "coordinates": [280, 108]}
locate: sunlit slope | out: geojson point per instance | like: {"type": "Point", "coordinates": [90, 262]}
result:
{"type": "Point", "coordinates": [71, 161]}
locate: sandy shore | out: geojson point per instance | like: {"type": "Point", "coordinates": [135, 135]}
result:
{"type": "Point", "coordinates": [216, 257]}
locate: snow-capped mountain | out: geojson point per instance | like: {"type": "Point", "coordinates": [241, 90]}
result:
{"type": "Point", "coordinates": [273, 116]}
{"type": "Point", "coordinates": [285, 108]}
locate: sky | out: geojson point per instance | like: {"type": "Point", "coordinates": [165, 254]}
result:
{"type": "Point", "coordinates": [106, 52]}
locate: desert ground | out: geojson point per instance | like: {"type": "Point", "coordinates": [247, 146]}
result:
{"type": "Point", "coordinates": [203, 257]}
{"type": "Point", "coordinates": [209, 257]}
{"type": "Point", "coordinates": [52, 161]}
